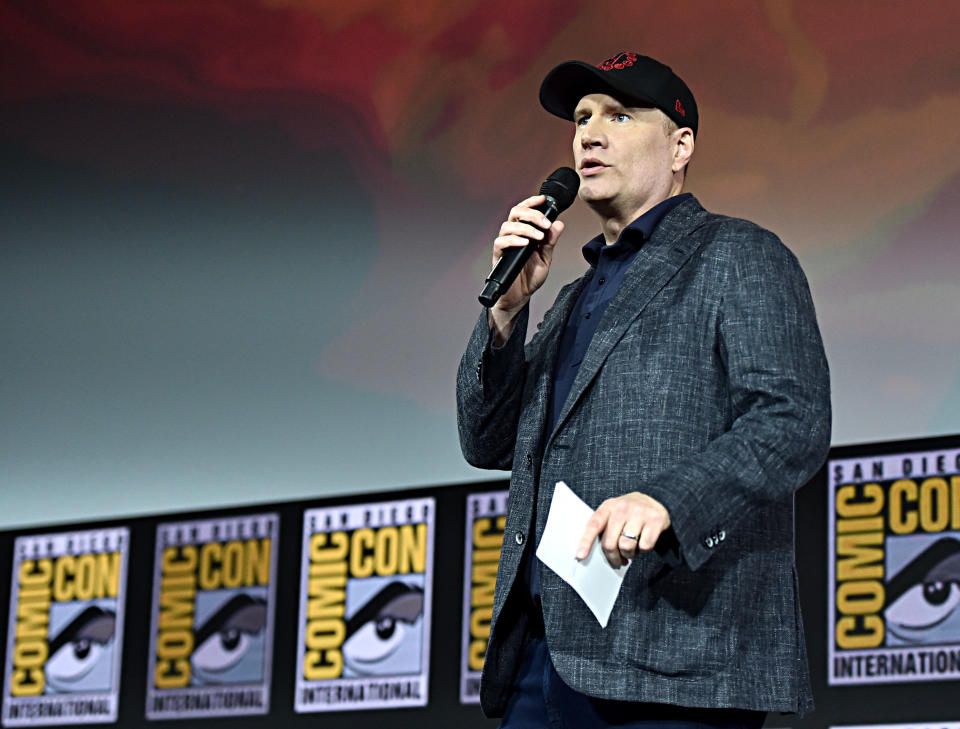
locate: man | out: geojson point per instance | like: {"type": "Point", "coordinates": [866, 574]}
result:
{"type": "Point", "coordinates": [680, 388]}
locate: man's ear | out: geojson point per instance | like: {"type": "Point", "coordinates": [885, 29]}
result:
{"type": "Point", "coordinates": [683, 148]}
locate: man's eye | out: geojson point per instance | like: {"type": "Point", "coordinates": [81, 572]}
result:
{"type": "Point", "coordinates": [582, 121]}
{"type": "Point", "coordinates": [621, 117]}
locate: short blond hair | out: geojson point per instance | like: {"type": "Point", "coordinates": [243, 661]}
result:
{"type": "Point", "coordinates": [669, 125]}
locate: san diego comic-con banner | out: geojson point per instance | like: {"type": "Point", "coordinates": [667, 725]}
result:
{"type": "Point", "coordinates": [212, 617]}
{"type": "Point", "coordinates": [64, 637]}
{"type": "Point", "coordinates": [894, 568]}
{"type": "Point", "coordinates": [365, 605]}
{"type": "Point", "coordinates": [486, 519]}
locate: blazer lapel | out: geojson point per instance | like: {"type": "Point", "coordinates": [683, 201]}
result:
{"type": "Point", "coordinates": [551, 329]}
{"type": "Point", "coordinates": [658, 260]}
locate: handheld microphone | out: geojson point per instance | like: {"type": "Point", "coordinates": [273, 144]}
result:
{"type": "Point", "coordinates": [560, 190]}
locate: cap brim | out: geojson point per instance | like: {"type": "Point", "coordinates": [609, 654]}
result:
{"type": "Point", "coordinates": [569, 82]}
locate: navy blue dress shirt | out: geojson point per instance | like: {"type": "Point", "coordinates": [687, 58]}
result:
{"type": "Point", "coordinates": [610, 264]}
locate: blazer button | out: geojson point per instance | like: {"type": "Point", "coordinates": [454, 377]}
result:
{"type": "Point", "coordinates": [518, 538]}
{"type": "Point", "coordinates": [722, 535]}
{"type": "Point", "coordinates": [709, 542]}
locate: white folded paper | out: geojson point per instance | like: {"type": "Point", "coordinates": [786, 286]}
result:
{"type": "Point", "coordinates": [593, 578]}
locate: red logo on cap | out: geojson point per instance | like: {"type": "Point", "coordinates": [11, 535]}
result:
{"type": "Point", "coordinates": [621, 60]}
{"type": "Point", "coordinates": [679, 107]}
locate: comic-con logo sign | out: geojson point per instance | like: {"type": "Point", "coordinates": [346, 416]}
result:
{"type": "Point", "coordinates": [365, 598]}
{"type": "Point", "coordinates": [65, 628]}
{"type": "Point", "coordinates": [211, 632]}
{"type": "Point", "coordinates": [486, 519]}
{"type": "Point", "coordinates": [894, 568]}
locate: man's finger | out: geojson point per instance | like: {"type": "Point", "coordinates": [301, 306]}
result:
{"type": "Point", "coordinates": [594, 528]}
{"type": "Point", "coordinates": [628, 541]}
{"type": "Point", "coordinates": [531, 201]}
{"type": "Point", "coordinates": [610, 537]}
{"type": "Point", "coordinates": [529, 214]}
{"type": "Point", "coordinates": [648, 538]}
{"type": "Point", "coordinates": [522, 229]}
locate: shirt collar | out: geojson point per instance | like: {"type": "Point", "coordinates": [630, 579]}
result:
{"type": "Point", "coordinates": [635, 234]}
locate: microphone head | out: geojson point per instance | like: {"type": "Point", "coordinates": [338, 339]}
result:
{"type": "Point", "coordinates": [562, 186]}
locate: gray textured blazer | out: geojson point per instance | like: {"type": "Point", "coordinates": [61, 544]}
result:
{"type": "Point", "coordinates": [706, 387]}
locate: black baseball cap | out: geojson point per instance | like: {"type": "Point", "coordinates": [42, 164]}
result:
{"type": "Point", "coordinates": [628, 77]}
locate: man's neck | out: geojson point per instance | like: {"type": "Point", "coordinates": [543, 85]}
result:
{"type": "Point", "coordinates": [613, 221]}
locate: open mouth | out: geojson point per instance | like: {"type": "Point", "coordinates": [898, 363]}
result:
{"type": "Point", "coordinates": [591, 167]}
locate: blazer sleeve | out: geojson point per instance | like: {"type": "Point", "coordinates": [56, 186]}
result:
{"type": "Point", "coordinates": [778, 384]}
{"type": "Point", "coordinates": [490, 384]}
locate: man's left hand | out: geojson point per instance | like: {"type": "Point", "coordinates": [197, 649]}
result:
{"type": "Point", "coordinates": [625, 524]}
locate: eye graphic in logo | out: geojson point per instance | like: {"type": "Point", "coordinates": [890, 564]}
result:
{"type": "Point", "coordinates": [231, 634]}
{"type": "Point", "coordinates": [923, 598]}
{"type": "Point", "coordinates": [381, 639]}
{"type": "Point", "coordinates": [79, 656]}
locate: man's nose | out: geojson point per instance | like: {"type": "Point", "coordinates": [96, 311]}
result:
{"type": "Point", "coordinates": [591, 135]}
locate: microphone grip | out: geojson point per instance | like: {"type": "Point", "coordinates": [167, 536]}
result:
{"type": "Point", "coordinates": [512, 261]}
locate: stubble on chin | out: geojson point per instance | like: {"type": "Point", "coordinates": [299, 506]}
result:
{"type": "Point", "coordinates": [593, 190]}
{"type": "Point", "coordinates": [597, 200]}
